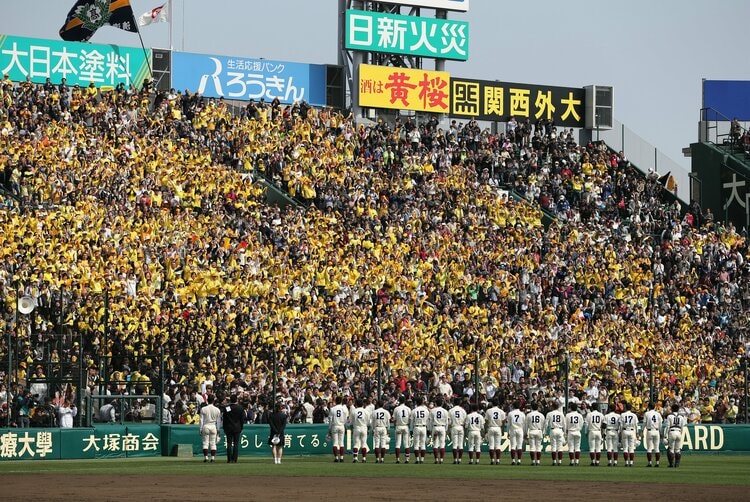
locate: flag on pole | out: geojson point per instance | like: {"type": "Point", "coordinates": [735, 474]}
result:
{"type": "Point", "coordinates": [156, 15]}
{"type": "Point", "coordinates": [87, 16]}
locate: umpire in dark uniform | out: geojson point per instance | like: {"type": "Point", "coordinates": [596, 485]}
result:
{"type": "Point", "coordinates": [233, 418]}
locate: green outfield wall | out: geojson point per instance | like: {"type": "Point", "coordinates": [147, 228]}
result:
{"type": "Point", "coordinates": [142, 440]}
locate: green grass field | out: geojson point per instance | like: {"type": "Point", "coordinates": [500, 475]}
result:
{"type": "Point", "coordinates": [696, 469]}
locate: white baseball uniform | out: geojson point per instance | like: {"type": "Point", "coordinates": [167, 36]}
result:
{"type": "Point", "coordinates": [535, 430]}
{"type": "Point", "coordinates": [380, 422]}
{"type": "Point", "coordinates": [574, 425]}
{"type": "Point", "coordinates": [594, 424]}
{"type": "Point", "coordinates": [457, 417]}
{"type": "Point", "coordinates": [474, 425]}
{"type": "Point", "coordinates": [652, 425]}
{"type": "Point", "coordinates": [401, 416]}
{"type": "Point", "coordinates": [494, 419]}
{"type": "Point", "coordinates": [438, 425]}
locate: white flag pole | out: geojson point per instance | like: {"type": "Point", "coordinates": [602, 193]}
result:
{"type": "Point", "coordinates": [170, 13]}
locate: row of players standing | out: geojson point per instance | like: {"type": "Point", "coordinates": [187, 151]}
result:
{"type": "Point", "coordinates": [413, 427]}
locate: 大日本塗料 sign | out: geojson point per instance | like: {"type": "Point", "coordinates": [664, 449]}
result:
{"type": "Point", "coordinates": [78, 63]}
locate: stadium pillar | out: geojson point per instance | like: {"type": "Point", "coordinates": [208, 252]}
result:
{"type": "Point", "coordinates": [162, 379]}
{"type": "Point", "coordinates": [10, 363]}
{"type": "Point", "coordinates": [567, 380]}
{"type": "Point", "coordinates": [105, 346]}
{"type": "Point", "coordinates": [651, 396]}
{"type": "Point", "coordinates": [273, 399]}
{"type": "Point", "coordinates": [744, 371]}
{"type": "Point", "coordinates": [380, 375]}
{"type": "Point", "coordinates": [440, 63]}
{"type": "Point", "coordinates": [476, 376]}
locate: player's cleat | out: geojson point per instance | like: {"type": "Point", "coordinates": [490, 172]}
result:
{"type": "Point", "coordinates": [649, 465]}
{"type": "Point", "coordinates": [398, 460]}
{"type": "Point", "coordinates": [471, 462]}
{"type": "Point", "coordinates": [477, 461]}
{"type": "Point", "coordinates": [592, 463]}
{"type": "Point", "coordinates": [455, 462]}
{"type": "Point", "coordinates": [406, 461]}
{"type": "Point", "coordinates": [364, 460]}
{"type": "Point", "coordinates": [354, 461]}
{"type": "Point", "coordinates": [657, 464]}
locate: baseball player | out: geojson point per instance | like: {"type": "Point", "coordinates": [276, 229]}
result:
{"type": "Point", "coordinates": [516, 425]}
{"type": "Point", "coordinates": [418, 425]}
{"type": "Point", "coordinates": [380, 422]}
{"type": "Point", "coordinates": [555, 423]}
{"type": "Point", "coordinates": [210, 416]}
{"type": "Point", "coordinates": [474, 426]}
{"type": "Point", "coordinates": [359, 421]}
{"type": "Point", "coordinates": [495, 419]}
{"type": "Point", "coordinates": [337, 428]}
{"type": "Point", "coordinates": [401, 416]}
{"type": "Point", "coordinates": [629, 434]}
{"type": "Point", "coordinates": [673, 426]}
{"type": "Point", "coordinates": [652, 425]}
{"type": "Point", "coordinates": [456, 419]}
{"type": "Point", "coordinates": [437, 427]}
{"type": "Point", "coordinates": [594, 424]}
{"type": "Point", "coordinates": [613, 427]}
{"type": "Point", "coordinates": [574, 427]}
{"type": "Point", "coordinates": [534, 431]}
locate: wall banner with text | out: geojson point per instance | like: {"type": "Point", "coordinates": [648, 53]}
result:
{"type": "Point", "coordinates": [404, 88]}
{"type": "Point", "coordinates": [494, 101]}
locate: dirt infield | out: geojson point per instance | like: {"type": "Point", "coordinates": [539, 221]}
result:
{"type": "Point", "coordinates": [182, 488]}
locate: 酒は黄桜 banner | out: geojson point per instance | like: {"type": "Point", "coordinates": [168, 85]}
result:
{"type": "Point", "coordinates": [404, 88]}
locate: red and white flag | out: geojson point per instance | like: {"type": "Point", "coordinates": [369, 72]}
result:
{"type": "Point", "coordinates": [156, 15]}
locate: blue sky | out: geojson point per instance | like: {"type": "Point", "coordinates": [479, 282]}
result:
{"type": "Point", "coordinates": [654, 53]}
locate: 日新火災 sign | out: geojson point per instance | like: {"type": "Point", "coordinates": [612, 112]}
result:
{"type": "Point", "coordinates": [78, 63]}
{"type": "Point", "coordinates": [410, 35]}
{"type": "Point", "coordinates": [404, 88]}
{"type": "Point", "coordinates": [495, 101]}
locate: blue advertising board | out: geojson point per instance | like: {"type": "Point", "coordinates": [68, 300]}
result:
{"type": "Point", "coordinates": [247, 78]}
{"type": "Point", "coordinates": [727, 99]}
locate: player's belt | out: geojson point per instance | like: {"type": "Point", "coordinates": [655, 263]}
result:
{"type": "Point", "coordinates": [675, 428]}
{"type": "Point", "coordinates": [423, 426]}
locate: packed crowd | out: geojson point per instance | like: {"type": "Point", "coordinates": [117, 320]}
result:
{"type": "Point", "coordinates": [141, 231]}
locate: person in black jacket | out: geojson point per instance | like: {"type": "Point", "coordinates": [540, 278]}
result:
{"type": "Point", "coordinates": [277, 421]}
{"type": "Point", "coordinates": [233, 418]}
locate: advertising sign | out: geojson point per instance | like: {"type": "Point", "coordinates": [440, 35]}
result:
{"type": "Point", "coordinates": [246, 78]}
{"type": "Point", "coordinates": [99, 442]}
{"type": "Point", "coordinates": [404, 88]}
{"type": "Point", "coordinates": [727, 99]}
{"type": "Point", "coordinates": [411, 35]}
{"type": "Point", "coordinates": [77, 63]}
{"type": "Point", "coordinates": [494, 101]}
{"type": "Point", "coordinates": [735, 197]}
{"type": "Point", "coordinates": [459, 5]}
